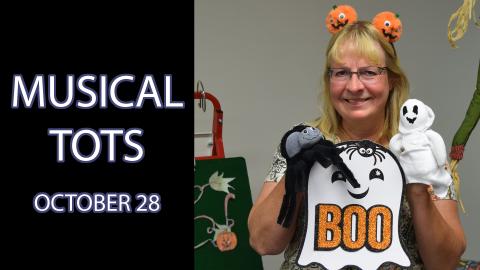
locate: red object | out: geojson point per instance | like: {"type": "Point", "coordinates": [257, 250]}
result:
{"type": "Point", "coordinates": [217, 150]}
{"type": "Point", "coordinates": [457, 152]}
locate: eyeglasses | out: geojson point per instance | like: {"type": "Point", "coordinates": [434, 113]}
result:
{"type": "Point", "coordinates": [365, 74]}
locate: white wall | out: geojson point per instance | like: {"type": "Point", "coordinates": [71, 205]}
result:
{"type": "Point", "coordinates": [263, 60]}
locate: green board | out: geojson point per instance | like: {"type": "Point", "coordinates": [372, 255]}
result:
{"type": "Point", "coordinates": [211, 204]}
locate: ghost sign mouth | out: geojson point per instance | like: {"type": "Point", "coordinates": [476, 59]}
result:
{"type": "Point", "coordinates": [359, 196]}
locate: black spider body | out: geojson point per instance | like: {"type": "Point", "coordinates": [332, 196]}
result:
{"type": "Point", "coordinates": [302, 146]}
{"type": "Point", "coordinates": [365, 149]}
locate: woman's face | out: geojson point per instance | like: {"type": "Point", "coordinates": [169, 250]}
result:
{"type": "Point", "coordinates": [357, 100]}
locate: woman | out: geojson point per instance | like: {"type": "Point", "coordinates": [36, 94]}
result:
{"type": "Point", "coordinates": [364, 88]}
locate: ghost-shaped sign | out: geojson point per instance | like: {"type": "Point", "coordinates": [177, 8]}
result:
{"type": "Point", "coordinates": [348, 226]}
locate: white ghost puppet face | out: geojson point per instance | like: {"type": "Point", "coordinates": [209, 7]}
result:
{"type": "Point", "coordinates": [348, 226]}
{"type": "Point", "coordinates": [415, 116]}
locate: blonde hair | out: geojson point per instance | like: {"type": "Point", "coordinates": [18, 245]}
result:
{"type": "Point", "coordinates": [365, 37]}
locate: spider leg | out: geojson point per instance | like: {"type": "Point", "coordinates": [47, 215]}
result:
{"type": "Point", "coordinates": [285, 209]}
{"type": "Point", "coordinates": [303, 171]}
{"type": "Point", "coordinates": [380, 155]}
{"type": "Point", "coordinates": [346, 171]}
{"type": "Point", "coordinates": [296, 178]}
{"type": "Point", "coordinates": [291, 208]}
{"type": "Point", "coordinates": [350, 149]}
{"type": "Point", "coordinates": [320, 158]}
{"type": "Point", "coordinates": [290, 192]}
{"type": "Point", "coordinates": [323, 154]}
{"type": "Point", "coordinates": [308, 155]}
{"type": "Point", "coordinates": [350, 156]}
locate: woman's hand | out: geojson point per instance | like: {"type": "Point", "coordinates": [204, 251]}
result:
{"type": "Point", "coordinates": [267, 237]}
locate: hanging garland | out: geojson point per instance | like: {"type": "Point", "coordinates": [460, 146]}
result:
{"type": "Point", "coordinates": [223, 237]}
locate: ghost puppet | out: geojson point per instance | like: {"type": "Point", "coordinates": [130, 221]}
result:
{"type": "Point", "coordinates": [420, 150]}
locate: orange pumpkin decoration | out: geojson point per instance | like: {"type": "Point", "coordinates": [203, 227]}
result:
{"type": "Point", "coordinates": [340, 16]}
{"type": "Point", "coordinates": [226, 241]}
{"type": "Point", "coordinates": [389, 24]}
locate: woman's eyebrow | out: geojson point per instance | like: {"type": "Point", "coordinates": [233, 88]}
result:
{"type": "Point", "coordinates": [339, 66]}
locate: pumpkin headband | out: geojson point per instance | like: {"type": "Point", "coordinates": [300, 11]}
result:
{"type": "Point", "coordinates": [386, 22]}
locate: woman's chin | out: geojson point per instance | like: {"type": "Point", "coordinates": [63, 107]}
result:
{"type": "Point", "coordinates": [358, 115]}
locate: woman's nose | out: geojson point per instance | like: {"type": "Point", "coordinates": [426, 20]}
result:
{"type": "Point", "coordinates": [354, 84]}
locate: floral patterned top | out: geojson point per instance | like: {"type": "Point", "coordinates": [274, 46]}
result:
{"type": "Point", "coordinates": [407, 233]}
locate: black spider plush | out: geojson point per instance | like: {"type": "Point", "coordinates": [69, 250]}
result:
{"type": "Point", "coordinates": [302, 146]}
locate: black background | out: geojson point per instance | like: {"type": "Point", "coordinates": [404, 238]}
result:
{"type": "Point", "coordinates": [88, 38]}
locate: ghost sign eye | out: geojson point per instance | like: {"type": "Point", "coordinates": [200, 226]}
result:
{"type": "Point", "coordinates": [376, 174]}
{"type": "Point", "coordinates": [338, 176]}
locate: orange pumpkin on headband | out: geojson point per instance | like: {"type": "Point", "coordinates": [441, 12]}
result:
{"type": "Point", "coordinates": [389, 24]}
{"type": "Point", "coordinates": [340, 16]}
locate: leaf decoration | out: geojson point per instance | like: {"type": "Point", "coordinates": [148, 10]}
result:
{"type": "Point", "coordinates": [218, 183]}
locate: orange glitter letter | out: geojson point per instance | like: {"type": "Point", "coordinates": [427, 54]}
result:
{"type": "Point", "coordinates": [356, 242]}
{"type": "Point", "coordinates": [378, 244]}
{"type": "Point", "coordinates": [328, 217]}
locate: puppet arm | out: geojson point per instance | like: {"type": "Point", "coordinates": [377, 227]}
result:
{"type": "Point", "coordinates": [438, 147]}
{"type": "Point", "coordinates": [396, 144]}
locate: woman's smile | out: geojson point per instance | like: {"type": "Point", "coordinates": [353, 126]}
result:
{"type": "Point", "coordinates": [357, 101]}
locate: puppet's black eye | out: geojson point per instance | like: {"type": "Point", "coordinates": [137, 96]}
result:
{"type": "Point", "coordinates": [376, 174]}
{"type": "Point", "coordinates": [361, 150]}
{"type": "Point", "coordinates": [405, 110]}
{"type": "Point", "coordinates": [338, 176]}
{"type": "Point", "coordinates": [415, 109]}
